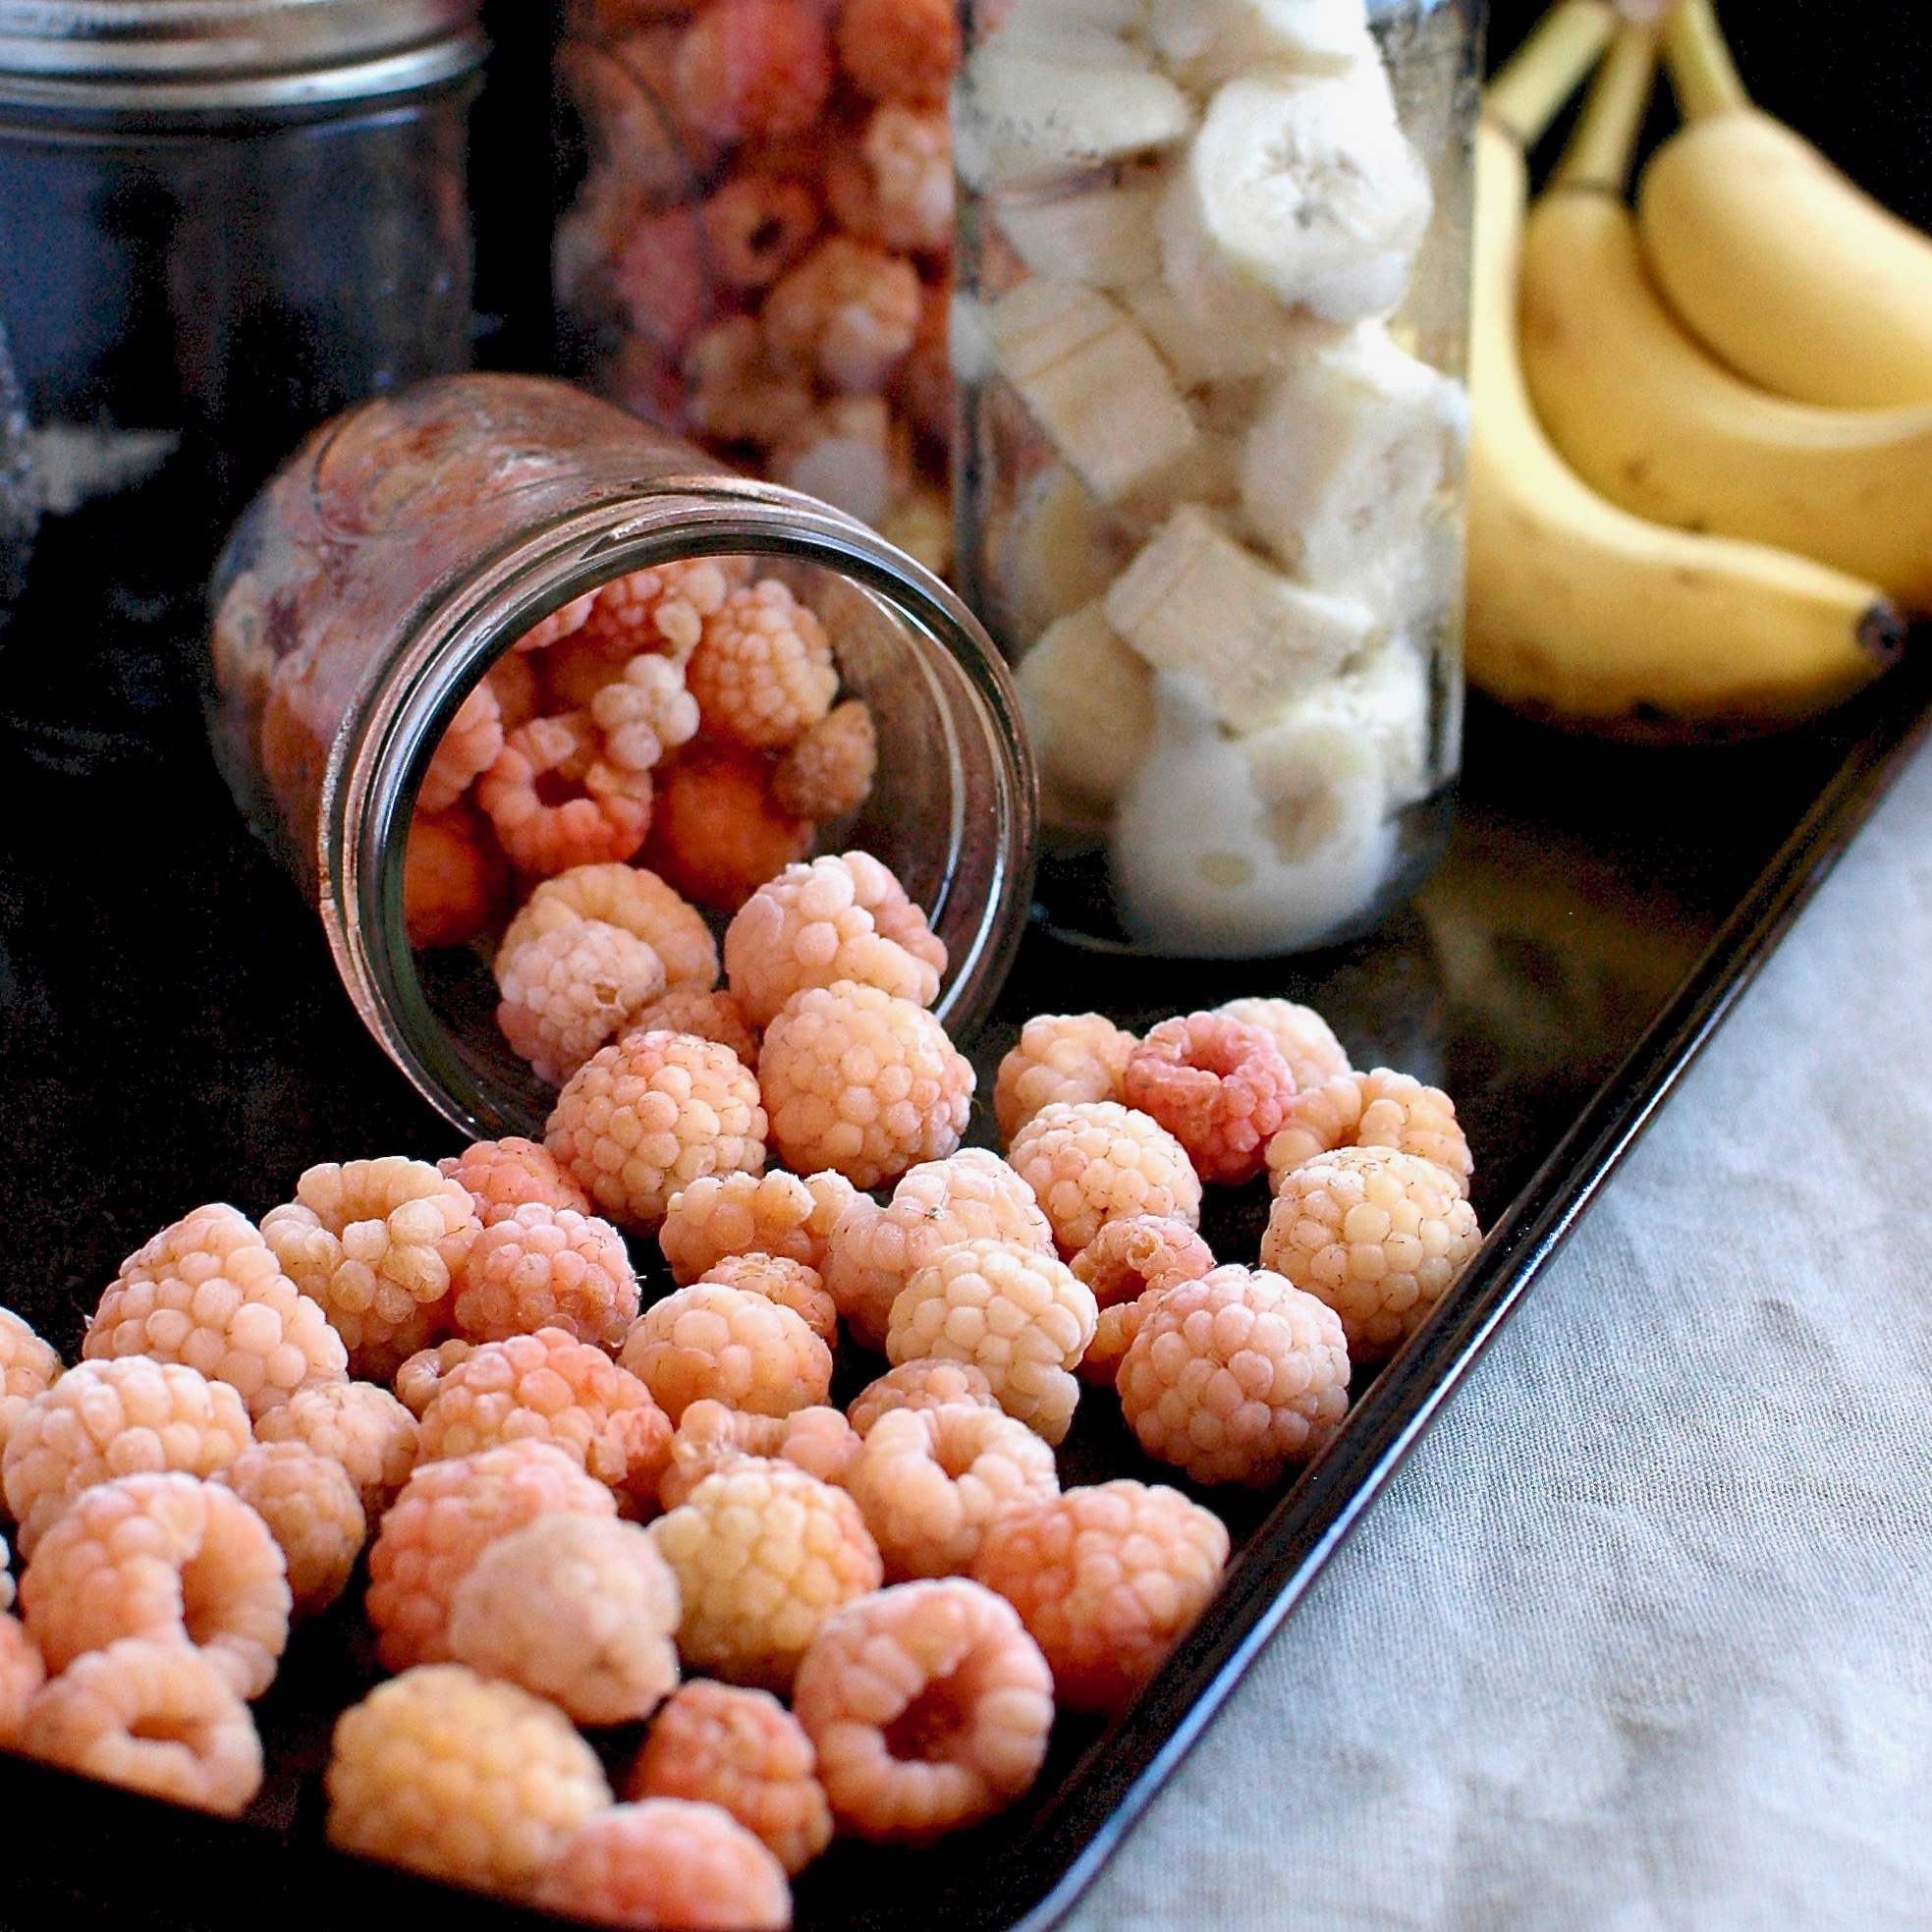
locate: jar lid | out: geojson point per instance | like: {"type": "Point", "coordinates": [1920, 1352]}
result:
{"type": "Point", "coordinates": [169, 55]}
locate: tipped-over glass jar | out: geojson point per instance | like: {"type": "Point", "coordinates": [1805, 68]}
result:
{"type": "Point", "coordinates": [494, 632]}
{"type": "Point", "coordinates": [1213, 280]}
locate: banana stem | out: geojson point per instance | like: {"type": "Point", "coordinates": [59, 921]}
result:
{"type": "Point", "coordinates": [1702, 70]}
{"type": "Point", "coordinates": [1543, 72]}
{"type": "Point", "coordinates": [1598, 154]}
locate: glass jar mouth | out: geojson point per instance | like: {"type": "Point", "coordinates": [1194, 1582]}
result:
{"type": "Point", "coordinates": [377, 758]}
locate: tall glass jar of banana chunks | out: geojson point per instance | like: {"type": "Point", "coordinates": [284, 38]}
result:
{"type": "Point", "coordinates": [1209, 332]}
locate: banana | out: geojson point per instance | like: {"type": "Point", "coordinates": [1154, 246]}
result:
{"type": "Point", "coordinates": [1089, 708]}
{"type": "Point", "coordinates": [1205, 42]}
{"type": "Point", "coordinates": [1219, 331]}
{"type": "Point", "coordinates": [1101, 234]}
{"type": "Point", "coordinates": [1791, 272]}
{"type": "Point", "coordinates": [1057, 551]}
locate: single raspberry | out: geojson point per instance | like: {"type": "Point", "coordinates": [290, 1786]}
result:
{"type": "Point", "coordinates": [550, 1387]}
{"type": "Point", "coordinates": [550, 836]}
{"type": "Point", "coordinates": [311, 1510]}
{"type": "Point", "coordinates": [1018, 1314]}
{"type": "Point", "coordinates": [116, 1419]}
{"type": "Point", "coordinates": [748, 69]}
{"type": "Point", "coordinates": [450, 1774]}
{"type": "Point", "coordinates": [564, 622]}
{"type": "Point", "coordinates": [1106, 1581]}
{"type": "Point", "coordinates": [1236, 1375]}
{"type": "Point", "coordinates": [658, 280]}
{"type": "Point", "coordinates": [546, 1267]}
{"type": "Point", "coordinates": [897, 189]}
{"type": "Point", "coordinates": [1222, 1089]}
{"type": "Point", "coordinates": [376, 1243]}
{"type": "Point", "coordinates": [643, 712]}
{"type": "Point", "coordinates": [1380, 1237]}
{"type": "Point", "coordinates": [21, 1674]}
{"type": "Point", "coordinates": [776, 1214]}
{"type": "Point", "coordinates": [1378, 1108]}
{"type": "Point", "coordinates": [829, 771]}
{"type": "Point", "coordinates": [716, 1016]}
{"type": "Point", "coordinates": [503, 1174]}
{"type": "Point", "coordinates": [576, 670]}
{"type": "Point", "coordinates": [849, 311]}
{"type": "Point", "coordinates": [1128, 1265]}
{"type": "Point", "coordinates": [1098, 1162]}
{"type": "Point", "coordinates": [418, 1378]}
{"type": "Point", "coordinates": [452, 879]}
{"type": "Point", "coordinates": [153, 1714]}
{"type": "Point", "coordinates": [161, 1556]}
{"type": "Point", "coordinates": [358, 1425]}
{"type": "Point", "coordinates": [1067, 1057]}
{"type": "Point", "coordinates": [711, 1437]}
{"type": "Point", "coordinates": [565, 993]}
{"type": "Point", "coordinates": [763, 1554]}
{"type": "Point", "coordinates": [863, 1082]}
{"type": "Point", "coordinates": [29, 1367]}
{"type": "Point", "coordinates": [719, 1743]}
{"type": "Point", "coordinates": [790, 1283]}
{"type": "Point", "coordinates": [900, 49]}
{"type": "Point", "coordinates": [737, 391]}
{"type": "Point", "coordinates": [930, 1708]}
{"type": "Point", "coordinates": [209, 1291]}
{"type": "Point", "coordinates": [645, 1118]}
{"type": "Point", "coordinates": [735, 1346]}
{"type": "Point", "coordinates": [467, 748]}
{"type": "Point", "coordinates": [925, 1382]}
{"type": "Point", "coordinates": [662, 608]}
{"type": "Point", "coordinates": [763, 671]}
{"type": "Point", "coordinates": [757, 226]}
{"type": "Point", "coordinates": [930, 1480]}
{"type": "Point", "coordinates": [637, 901]}
{"type": "Point", "coordinates": [447, 1514]}
{"type": "Point", "coordinates": [1305, 1038]}
{"type": "Point", "coordinates": [578, 1609]}
{"type": "Point", "coordinates": [843, 919]}
{"type": "Point", "coordinates": [719, 833]}
{"type": "Point", "coordinates": [667, 1862]}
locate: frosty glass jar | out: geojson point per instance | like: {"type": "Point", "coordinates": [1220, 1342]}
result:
{"type": "Point", "coordinates": [1213, 270]}
{"type": "Point", "coordinates": [407, 546]}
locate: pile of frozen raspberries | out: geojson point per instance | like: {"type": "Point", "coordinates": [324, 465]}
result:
{"type": "Point", "coordinates": [581, 1513]}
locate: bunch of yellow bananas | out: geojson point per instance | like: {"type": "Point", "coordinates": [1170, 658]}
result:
{"type": "Point", "coordinates": [1701, 463]}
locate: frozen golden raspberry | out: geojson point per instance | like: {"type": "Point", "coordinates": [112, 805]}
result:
{"type": "Point", "coordinates": [930, 1480]}
{"type": "Point", "coordinates": [643, 712]}
{"type": "Point", "coordinates": [152, 1715]}
{"type": "Point", "coordinates": [970, 1196]}
{"type": "Point", "coordinates": [790, 1283]}
{"type": "Point", "coordinates": [163, 1556]}
{"type": "Point", "coordinates": [925, 1382]}
{"type": "Point", "coordinates": [763, 1554]}
{"type": "Point", "coordinates": [376, 1243]}
{"type": "Point", "coordinates": [900, 49]}
{"type": "Point", "coordinates": [829, 771]}
{"type": "Point", "coordinates": [719, 833]}
{"type": "Point", "coordinates": [837, 918]}
{"type": "Point", "coordinates": [549, 1386]}
{"type": "Point", "coordinates": [451, 880]}
{"type": "Point", "coordinates": [116, 1419]}
{"type": "Point", "coordinates": [752, 1214]}
{"type": "Point", "coordinates": [1067, 1057]}
{"type": "Point", "coordinates": [467, 1780]}
{"type": "Point", "coordinates": [711, 1437]}
{"type": "Point", "coordinates": [1106, 1581]}
{"type": "Point", "coordinates": [662, 608]}
{"type": "Point", "coordinates": [1021, 1316]}
{"type": "Point", "coordinates": [28, 1367]}
{"type": "Point", "coordinates": [1097, 1162]}
{"type": "Point", "coordinates": [1305, 1038]}
{"type": "Point", "coordinates": [643, 1118]}
{"type": "Point", "coordinates": [711, 1016]}
{"type": "Point", "coordinates": [754, 69]}
{"type": "Point", "coordinates": [21, 1674]}
{"type": "Point", "coordinates": [719, 1743]}
{"type": "Point", "coordinates": [358, 1425]}
{"type": "Point", "coordinates": [505, 1175]}
{"type": "Point", "coordinates": [930, 1708]}
{"type": "Point", "coordinates": [544, 1267]}
{"type": "Point", "coordinates": [863, 1082]}
{"type": "Point", "coordinates": [1222, 1089]}
{"type": "Point", "coordinates": [736, 1347]}
{"type": "Point", "coordinates": [1127, 1264]}
{"type": "Point", "coordinates": [849, 313]}
{"type": "Point", "coordinates": [578, 1609]}
{"type": "Point", "coordinates": [755, 226]}
{"type": "Point", "coordinates": [894, 185]}
{"type": "Point", "coordinates": [447, 1514]}
{"type": "Point", "coordinates": [669, 1863]}
{"type": "Point", "coordinates": [630, 896]}
{"type": "Point", "coordinates": [418, 1378]}
{"type": "Point", "coordinates": [466, 749]}
{"type": "Point", "coordinates": [541, 802]}
{"type": "Point", "coordinates": [566, 992]}
{"type": "Point", "coordinates": [764, 672]}
{"type": "Point", "coordinates": [1378, 1108]}
{"type": "Point", "coordinates": [311, 1510]}
{"type": "Point", "coordinates": [208, 1291]}
{"type": "Point", "coordinates": [1233, 1376]}
{"type": "Point", "coordinates": [1378, 1235]}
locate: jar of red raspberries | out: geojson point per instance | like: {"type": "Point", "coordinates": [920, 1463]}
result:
{"type": "Point", "coordinates": [533, 697]}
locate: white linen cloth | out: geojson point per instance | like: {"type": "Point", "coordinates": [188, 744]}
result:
{"type": "Point", "coordinates": [1641, 1635]}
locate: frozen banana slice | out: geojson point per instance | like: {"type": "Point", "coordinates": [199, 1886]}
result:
{"type": "Point", "coordinates": [1057, 552]}
{"type": "Point", "coordinates": [1205, 42]}
{"type": "Point", "coordinates": [1101, 235]}
{"type": "Point", "coordinates": [1197, 600]}
{"type": "Point", "coordinates": [1306, 188]}
{"type": "Point", "coordinates": [1354, 440]}
{"type": "Point", "coordinates": [1383, 700]}
{"type": "Point", "coordinates": [1206, 863]}
{"type": "Point", "coordinates": [1093, 382]}
{"type": "Point", "coordinates": [1219, 330]}
{"type": "Point", "coordinates": [1089, 705]}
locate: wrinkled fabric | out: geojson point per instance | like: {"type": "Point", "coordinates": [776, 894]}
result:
{"type": "Point", "coordinates": [1641, 1636]}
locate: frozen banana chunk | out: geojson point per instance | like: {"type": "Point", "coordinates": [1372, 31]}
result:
{"type": "Point", "coordinates": [1089, 706]}
{"type": "Point", "coordinates": [1093, 382]}
{"type": "Point", "coordinates": [1057, 552]}
{"type": "Point", "coordinates": [1205, 42]}
{"type": "Point", "coordinates": [1218, 329]}
{"type": "Point", "coordinates": [1383, 702]}
{"type": "Point", "coordinates": [1354, 440]}
{"type": "Point", "coordinates": [1102, 236]}
{"type": "Point", "coordinates": [1195, 600]}
{"type": "Point", "coordinates": [1303, 187]}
